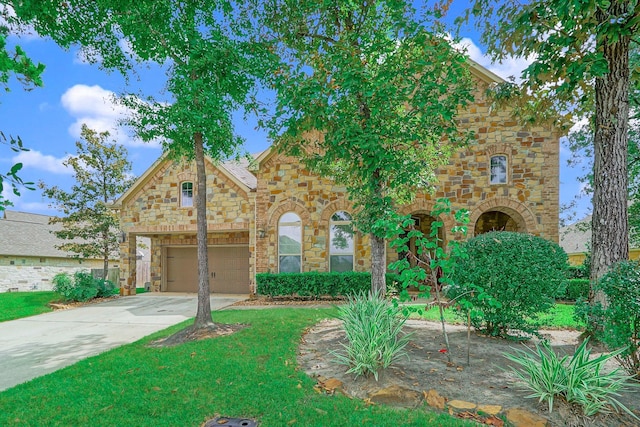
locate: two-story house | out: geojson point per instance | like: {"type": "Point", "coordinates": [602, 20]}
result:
{"type": "Point", "coordinates": [279, 217]}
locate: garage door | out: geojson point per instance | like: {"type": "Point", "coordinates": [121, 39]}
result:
{"type": "Point", "coordinates": [228, 269]}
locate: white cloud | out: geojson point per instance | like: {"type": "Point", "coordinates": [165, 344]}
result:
{"type": "Point", "coordinates": [97, 108]}
{"type": "Point", "coordinates": [36, 160]}
{"type": "Point", "coordinates": [511, 67]}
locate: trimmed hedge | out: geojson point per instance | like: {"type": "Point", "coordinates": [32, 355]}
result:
{"type": "Point", "coordinates": [575, 288]}
{"type": "Point", "coordinates": [316, 284]}
{"type": "Point", "coordinates": [578, 272]}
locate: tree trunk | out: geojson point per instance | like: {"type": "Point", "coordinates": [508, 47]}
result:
{"type": "Point", "coordinates": [105, 265]}
{"type": "Point", "coordinates": [378, 265]}
{"type": "Point", "coordinates": [610, 241]}
{"type": "Point", "coordinates": [203, 315]}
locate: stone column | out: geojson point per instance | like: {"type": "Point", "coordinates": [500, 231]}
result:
{"type": "Point", "coordinates": [128, 252]}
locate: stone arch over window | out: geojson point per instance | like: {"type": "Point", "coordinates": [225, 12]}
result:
{"type": "Point", "coordinates": [186, 194]}
{"type": "Point", "coordinates": [282, 207]}
{"type": "Point", "coordinates": [501, 213]}
{"type": "Point", "coordinates": [290, 243]}
{"type": "Point", "coordinates": [425, 207]}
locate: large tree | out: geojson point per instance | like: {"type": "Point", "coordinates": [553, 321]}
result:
{"type": "Point", "coordinates": [580, 52]}
{"type": "Point", "coordinates": [102, 172]}
{"type": "Point", "coordinates": [15, 63]}
{"type": "Point", "coordinates": [209, 71]}
{"type": "Point", "coordinates": [381, 88]}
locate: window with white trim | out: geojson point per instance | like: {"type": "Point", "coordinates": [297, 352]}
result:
{"type": "Point", "coordinates": [340, 242]}
{"type": "Point", "coordinates": [499, 169]}
{"type": "Point", "coordinates": [290, 243]}
{"type": "Point", "coordinates": [186, 194]}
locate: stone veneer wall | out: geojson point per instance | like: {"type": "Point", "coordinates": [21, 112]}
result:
{"type": "Point", "coordinates": [285, 185]}
{"type": "Point", "coordinates": [154, 211]}
{"type": "Point", "coordinates": [530, 196]}
{"type": "Point", "coordinates": [36, 273]}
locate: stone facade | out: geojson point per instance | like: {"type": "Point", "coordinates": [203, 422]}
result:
{"type": "Point", "coordinates": [152, 209]}
{"type": "Point", "coordinates": [242, 211]}
{"type": "Point", "coordinates": [23, 273]}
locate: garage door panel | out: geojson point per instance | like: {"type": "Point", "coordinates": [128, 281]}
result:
{"type": "Point", "coordinates": [228, 269]}
{"type": "Point", "coordinates": [182, 270]}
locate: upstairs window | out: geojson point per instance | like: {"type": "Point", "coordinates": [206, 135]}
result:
{"type": "Point", "coordinates": [186, 194]}
{"type": "Point", "coordinates": [290, 243]}
{"type": "Point", "coordinates": [340, 242]}
{"type": "Point", "coordinates": [499, 169]}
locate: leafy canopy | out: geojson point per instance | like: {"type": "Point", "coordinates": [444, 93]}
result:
{"type": "Point", "coordinates": [367, 94]}
{"type": "Point", "coordinates": [102, 173]}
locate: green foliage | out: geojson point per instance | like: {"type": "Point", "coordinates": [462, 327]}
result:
{"type": "Point", "coordinates": [575, 289]}
{"type": "Point", "coordinates": [82, 287]}
{"type": "Point", "coordinates": [373, 326]}
{"type": "Point", "coordinates": [579, 69]}
{"type": "Point", "coordinates": [618, 324]}
{"type": "Point", "coordinates": [361, 89]}
{"type": "Point", "coordinates": [518, 276]}
{"type": "Point", "coordinates": [102, 172]}
{"type": "Point", "coordinates": [581, 379]}
{"type": "Point", "coordinates": [316, 284]}
{"type": "Point", "coordinates": [577, 272]}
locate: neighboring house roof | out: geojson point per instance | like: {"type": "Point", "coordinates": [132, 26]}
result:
{"type": "Point", "coordinates": [577, 236]}
{"type": "Point", "coordinates": [28, 234]}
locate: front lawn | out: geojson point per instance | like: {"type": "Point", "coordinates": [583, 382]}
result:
{"type": "Point", "coordinates": [560, 317]}
{"type": "Point", "coordinates": [251, 373]}
{"type": "Point", "coordinates": [15, 305]}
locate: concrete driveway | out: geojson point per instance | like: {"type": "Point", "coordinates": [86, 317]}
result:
{"type": "Point", "coordinates": [38, 345]}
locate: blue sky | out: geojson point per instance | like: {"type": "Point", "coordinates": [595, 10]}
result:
{"type": "Point", "coordinates": [48, 118]}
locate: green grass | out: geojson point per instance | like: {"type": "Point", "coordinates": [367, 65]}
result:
{"type": "Point", "coordinates": [15, 305]}
{"type": "Point", "coordinates": [251, 373]}
{"type": "Point", "coordinates": [560, 317]}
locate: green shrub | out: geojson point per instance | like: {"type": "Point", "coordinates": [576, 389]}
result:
{"type": "Point", "coordinates": [373, 327]}
{"type": "Point", "coordinates": [315, 284]}
{"type": "Point", "coordinates": [63, 284]}
{"type": "Point", "coordinates": [617, 325]}
{"type": "Point", "coordinates": [519, 276]}
{"type": "Point", "coordinates": [82, 287]}
{"type": "Point", "coordinates": [578, 272]}
{"type": "Point", "coordinates": [575, 289]}
{"type": "Point", "coordinates": [581, 380]}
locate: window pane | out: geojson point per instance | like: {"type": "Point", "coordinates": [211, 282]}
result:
{"type": "Point", "coordinates": [290, 264]}
{"type": "Point", "coordinates": [341, 239]}
{"type": "Point", "coordinates": [290, 241]}
{"type": "Point", "coordinates": [289, 217]}
{"type": "Point", "coordinates": [499, 170]}
{"type": "Point", "coordinates": [341, 216]}
{"type": "Point", "coordinates": [187, 194]}
{"type": "Point", "coordinates": [340, 263]}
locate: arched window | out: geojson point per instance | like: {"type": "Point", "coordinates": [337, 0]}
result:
{"type": "Point", "coordinates": [186, 194]}
{"type": "Point", "coordinates": [340, 242]}
{"type": "Point", "coordinates": [499, 169]}
{"type": "Point", "coordinates": [290, 243]}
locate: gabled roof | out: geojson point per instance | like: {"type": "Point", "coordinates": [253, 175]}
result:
{"type": "Point", "coordinates": [235, 170]}
{"type": "Point", "coordinates": [28, 234]}
{"type": "Point", "coordinates": [240, 169]}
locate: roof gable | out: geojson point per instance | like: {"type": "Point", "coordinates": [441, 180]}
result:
{"type": "Point", "coordinates": [235, 171]}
